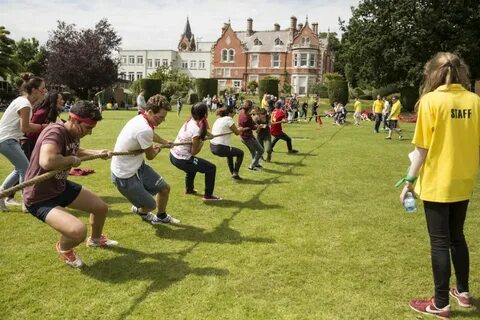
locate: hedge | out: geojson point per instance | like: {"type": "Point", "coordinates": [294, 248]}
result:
{"type": "Point", "coordinates": [206, 87]}
{"type": "Point", "coordinates": [268, 86]}
{"type": "Point", "coordinates": [338, 91]}
{"type": "Point", "coordinates": [151, 87]}
{"type": "Point", "coordinates": [384, 91]}
{"type": "Point", "coordinates": [408, 98]}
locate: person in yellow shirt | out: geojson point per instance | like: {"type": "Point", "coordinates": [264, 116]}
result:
{"type": "Point", "coordinates": [357, 115]}
{"type": "Point", "coordinates": [265, 99]}
{"type": "Point", "coordinates": [446, 159]}
{"type": "Point", "coordinates": [393, 118]}
{"type": "Point", "coordinates": [377, 109]}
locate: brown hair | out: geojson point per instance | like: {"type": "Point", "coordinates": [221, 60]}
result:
{"type": "Point", "coordinates": [30, 82]}
{"type": "Point", "coordinates": [157, 103]}
{"type": "Point", "coordinates": [247, 104]}
{"type": "Point", "coordinates": [444, 68]}
{"type": "Point", "coordinates": [86, 109]}
{"type": "Point", "coordinates": [224, 111]}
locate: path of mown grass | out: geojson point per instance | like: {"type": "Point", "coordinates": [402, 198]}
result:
{"type": "Point", "coordinates": [318, 235]}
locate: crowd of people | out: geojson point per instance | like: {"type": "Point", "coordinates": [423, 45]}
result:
{"type": "Point", "coordinates": [444, 163]}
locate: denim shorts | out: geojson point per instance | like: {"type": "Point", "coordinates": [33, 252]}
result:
{"type": "Point", "coordinates": [40, 210]}
{"type": "Point", "coordinates": [139, 188]}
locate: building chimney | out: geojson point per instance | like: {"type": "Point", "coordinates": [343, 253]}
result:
{"type": "Point", "coordinates": [315, 28]}
{"type": "Point", "coordinates": [276, 27]}
{"type": "Point", "coordinates": [249, 26]}
{"type": "Point", "coordinates": [300, 26]}
{"type": "Point", "coordinates": [293, 24]}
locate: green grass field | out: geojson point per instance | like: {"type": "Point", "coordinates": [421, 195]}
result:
{"type": "Point", "coordinates": [317, 235]}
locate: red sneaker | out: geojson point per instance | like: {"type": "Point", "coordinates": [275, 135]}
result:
{"type": "Point", "coordinates": [428, 307]}
{"type": "Point", "coordinates": [463, 299]}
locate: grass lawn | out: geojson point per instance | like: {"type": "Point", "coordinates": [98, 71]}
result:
{"type": "Point", "coordinates": [317, 235]}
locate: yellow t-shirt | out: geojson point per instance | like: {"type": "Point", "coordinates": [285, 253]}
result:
{"type": "Point", "coordinates": [395, 112]}
{"type": "Point", "coordinates": [357, 106]}
{"type": "Point", "coordinates": [264, 103]}
{"type": "Point", "coordinates": [448, 125]}
{"type": "Point", "coordinates": [378, 106]}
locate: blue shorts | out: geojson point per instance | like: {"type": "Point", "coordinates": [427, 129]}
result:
{"type": "Point", "coordinates": [139, 188]}
{"type": "Point", "coordinates": [40, 210]}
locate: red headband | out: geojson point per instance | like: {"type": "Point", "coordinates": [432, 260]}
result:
{"type": "Point", "coordinates": [88, 121]}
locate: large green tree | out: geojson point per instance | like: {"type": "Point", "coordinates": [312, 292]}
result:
{"type": "Point", "coordinates": [389, 41]}
{"type": "Point", "coordinates": [30, 56]}
{"type": "Point", "coordinates": [8, 66]}
{"type": "Point", "coordinates": [83, 59]}
{"type": "Point", "coordinates": [174, 82]}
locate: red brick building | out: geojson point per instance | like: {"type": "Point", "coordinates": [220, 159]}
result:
{"type": "Point", "coordinates": [296, 55]}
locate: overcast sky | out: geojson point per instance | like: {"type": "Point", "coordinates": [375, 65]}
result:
{"type": "Point", "coordinates": [158, 24]}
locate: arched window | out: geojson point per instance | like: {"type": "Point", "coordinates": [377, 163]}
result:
{"type": "Point", "coordinates": [278, 42]}
{"type": "Point", "coordinates": [257, 42]}
{"type": "Point", "coordinates": [305, 41]}
{"type": "Point", "coordinates": [231, 55]}
{"type": "Point", "coordinates": [224, 55]}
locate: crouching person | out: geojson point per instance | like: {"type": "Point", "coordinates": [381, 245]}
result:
{"type": "Point", "coordinates": [58, 147]}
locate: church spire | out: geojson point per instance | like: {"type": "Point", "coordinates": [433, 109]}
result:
{"type": "Point", "coordinates": [188, 31]}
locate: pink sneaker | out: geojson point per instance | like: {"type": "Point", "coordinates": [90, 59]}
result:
{"type": "Point", "coordinates": [428, 307]}
{"type": "Point", "coordinates": [463, 299]}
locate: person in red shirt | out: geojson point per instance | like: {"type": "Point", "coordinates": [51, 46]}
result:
{"type": "Point", "coordinates": [246, 122]}
{"type": "Point", "coordinates": [278, 117]}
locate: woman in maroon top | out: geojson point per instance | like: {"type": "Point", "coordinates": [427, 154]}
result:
{"type": "Point", "coordinates": [245, 121]}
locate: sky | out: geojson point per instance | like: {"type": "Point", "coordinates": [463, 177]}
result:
{"type": "Point", "coordinates": [158, 24]}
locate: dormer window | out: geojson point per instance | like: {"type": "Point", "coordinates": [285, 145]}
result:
{"type": "Point", "coordinates": [305, 41]}
{"type": "Point", "coordinates": [257, 42]}
{"type": "Point", "coordinates": [278, 42]}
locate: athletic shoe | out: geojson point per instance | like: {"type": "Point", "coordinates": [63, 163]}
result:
{"type": "Point", "coordinates": [211, 198]}
{"type": "Point", "coordinates": [428, 307]}
{"type": "Point", "coordinates": [293, 151]}
{"type": "Point", "coordinates": [388, 138]}
{"type": "Point", "coordinates": [12, 202]}
{"type": "Point", "coordinates": [103, 242]}
{"type": "Point", "coordinates": [236, 177]}
{"type": "Point", "coordinates": [135, 210]}
{"type": "Point", "coordinates": [69, 257]}
{"type": "Point", "coordinates": [3, 207]}
{"type": "Point", "coordinates": [400, 138]}
{"type": "Point", "coordinates": [259, 166]}
{"type": "Point", "coordinates": [154, 219]}
{"type": "Point", "coordinates": [191, 191]}
{"type": "Point", "coordinates": [253, 168]}
{"type": "Point", "coordinates": [463, 299]}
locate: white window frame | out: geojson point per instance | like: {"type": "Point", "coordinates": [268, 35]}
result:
{"type": "Point", "coordinates": [157, 63]}
{"type": "Point", "coordinates": [224, 57]}
{"type": "Point", "coordinates": [305, 41]}
{"type": "Point", "coordinates": [149, 63]}
{"type": "Point", "coordinates": [219, 72]}
{"type": "Point", "coordinates": [278, 42]}
{"type": "Point", "coordinates": [131, 76]}
{"type": "Point", "coordinates": [131, 59]}
{"type": "Point", "coordinates": [303, 60]}
{"type": "Point", "coordinates": [257, 42]}
{"type": "Point", "coordinates": [124, 60]}
{"type": "Point", "coordinates": [139, 75]}
{"type": "Point", "coordinates": [226, 72]}
{"type": "Point", "coordinates": [184, 64]}
{"type": "Point", "coordinates": [237, 84]}
{"type": "Point", "coordinates": [311, 60]}
{"type": "Point", "coordinates": [252, 60]}
{"type": "Point", "coordinates": [295, 60]}
{"type": "Point", "coordinates": [275, 62]}
{"type": "Point", "coordinates": [193, 64]}
{"type": "Point", "coordinates": [253, 77]}
{"type": "Point", "coordinates": [140, 60]}
{"type": "Point", "coordinates": [231, 55]}
{"type": "Point", "coordinates": [222, 83]}
{"type": "Point", "coordinates": [165, 62]}
{"type": "Point", "coordinates": [201, 64]}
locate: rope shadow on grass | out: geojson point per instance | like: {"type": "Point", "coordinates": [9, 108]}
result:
{"type": "Point", "coordinates": [164, 271]}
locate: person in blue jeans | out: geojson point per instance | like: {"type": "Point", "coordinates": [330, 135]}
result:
{"type": "Point", "coordinates": [14, 124]}
{"type": "Point", "coordinates": [194, 132]}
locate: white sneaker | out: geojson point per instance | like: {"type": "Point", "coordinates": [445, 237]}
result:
{"type": "Point", "coordinates": [102, 242]}
{"type": "Point", "coordinates": [70, 257]}
{"type": "Point", "coordinates": [153, 219]}
{"type": "Point", "coordinates": [12, 202]}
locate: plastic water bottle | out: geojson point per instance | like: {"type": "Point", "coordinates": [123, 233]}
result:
{"type": "Point", "coordinates": [409, 203]}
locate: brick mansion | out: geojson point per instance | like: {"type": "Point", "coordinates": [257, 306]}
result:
{"type": "Point", "coordinates": [297, 55]}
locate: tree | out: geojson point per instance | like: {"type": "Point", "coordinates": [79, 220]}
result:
{"type": "Point", "coordinates": [82, 59]}
{"type": "Point", "coordinates": [30, 56]}
{"type": "Point", "coordinates": [173, 81]}
{"type": "Point", "coordinates": [8, 66]}
{"type": "Point", "coordinates": [389, 41]}
{"type": "Point", "coordinates": [252, 86]}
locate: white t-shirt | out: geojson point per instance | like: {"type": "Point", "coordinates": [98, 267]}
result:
{"type": "Point", "coordinates": [186, 133]}
{"type": "Point", "coordinates": [222, 125]}
{"type": "Point", "coordinates": [135, 135]}
{"type": "Point", "coordinates": [10, 122]}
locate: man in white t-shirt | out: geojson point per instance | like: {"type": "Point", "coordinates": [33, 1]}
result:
{"type": "Point", "coordinates": [136, 180]}
{"type": "Point", "coordinates": [141, 101]}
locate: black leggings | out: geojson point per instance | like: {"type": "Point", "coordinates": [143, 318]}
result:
{"type": "Point", "coordinates": [285, 137]}
{"type": "Point", "coordinates": [445, 228]}
{"type": "Point", "coordinates": [228, 152]}
{"type": "Point", "coordinates": [191, 167]}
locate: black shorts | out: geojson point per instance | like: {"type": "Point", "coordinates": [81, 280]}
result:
{"type": "Point", "coordinates": [393, 124]}
{"type": "Point", "coordinates": [40, 210]}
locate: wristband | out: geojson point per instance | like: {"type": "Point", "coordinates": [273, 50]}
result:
{"type": "Point", "coordinates": [407, 178]}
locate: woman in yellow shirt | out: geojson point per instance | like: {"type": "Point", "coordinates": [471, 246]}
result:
{"type": "Point", "coordinates": [446, 157]}
{"type": "Point", "coordinates": [392, 118]}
